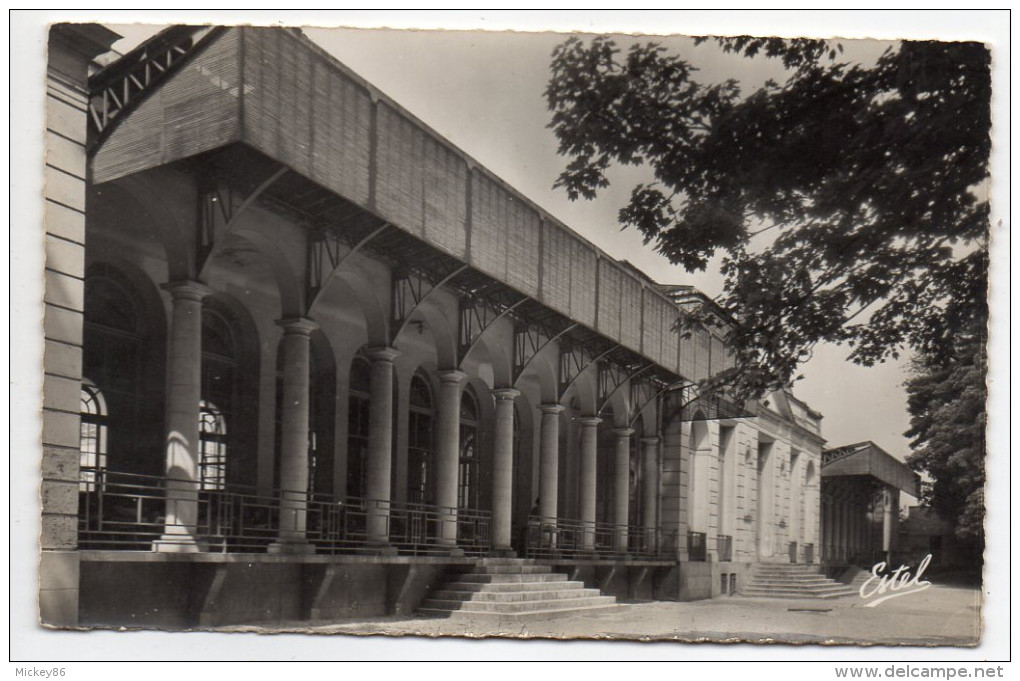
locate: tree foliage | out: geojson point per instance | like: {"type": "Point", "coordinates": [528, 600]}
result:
{"type": "Point", "coordinates": [867, 181]}
{"type": "Point", "coordinates": [947, 430]}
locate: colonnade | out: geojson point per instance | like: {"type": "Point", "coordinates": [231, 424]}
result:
{"type": "Point", "coordinates": [848, 521]}
{"type": "Point", "coordinates": [182, 447]}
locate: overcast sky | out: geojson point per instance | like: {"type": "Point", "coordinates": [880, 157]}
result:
{"type": "Point", "coordinates": [483, 92]}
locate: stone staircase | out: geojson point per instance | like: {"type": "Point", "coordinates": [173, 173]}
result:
{"type": "Point", "coordinates": [514, 590]}
{"type": "Point", "coordinates": [787, 580]}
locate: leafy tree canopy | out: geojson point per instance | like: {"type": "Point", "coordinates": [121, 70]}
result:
{"type": "Point", "coordinates": [947, 428]}
{"type": "Point", "coordinates": [867, 179]}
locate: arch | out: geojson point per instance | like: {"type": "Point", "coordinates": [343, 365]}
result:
{"type": "Point", "coordinates": [92, 440]}
{"type": "Point", "coordinates": [444, 335]}
{"type": "Point", "coordinates": [810, 476]}
{"type": "Point", "coordinates": [488, 347]}
{"type": "Point", "coordinates": [699, 432]}
{"type": "Point", "coordinates": [123, 357]}
{"type": "Point", "coordinates": [321, 415]}
{"type": "Point", "coordinates": [173, 226]}
{"type": "Point", "coordinates": [359, 391]}
{"type": "Point", "coordinates": [212, 447]}
{"type": "Point", "coordinates": [357, 283]}
{"type": "Point", "coordinates": [292, 303]}
{"type": "Point", "coordinates": [469, 483]}
{"type": "Point", "coordinates": [619, 405]}
{"type": "Point", "coordinates": [420, 441]}
{"type": "Point", "coordinates": [545, 375]}
{"type": "Point", "coordinates": [230, 380]}
{"type": "Point", "coordinates": [585, 389]}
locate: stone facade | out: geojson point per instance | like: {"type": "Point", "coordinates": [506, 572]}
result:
{"type": "Point", "coordinates": [259, 386]}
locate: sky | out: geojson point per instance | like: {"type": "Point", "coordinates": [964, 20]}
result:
{"type": "Point", "coordinates": [483, 92]}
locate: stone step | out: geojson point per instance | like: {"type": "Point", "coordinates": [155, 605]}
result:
{"type": "Point", "coordinates": [448, 594]}
{"type": "Point", "coordinates": [510, 587]}
{"type": "Point", "coordinates": [486, 578]}
{"type": "Point", "coordinates": [795, 594]}
{"type": "Point", "coordinates": [515, 619]}
{"type": "Point", "coordinates": [512, 569]}
{"type": "Point", "coordinates": [836, 588]}
{"type": "Point", "coordinates": [791, 582]}
{"type": "Point", "coordinates": [522, 606]}
{"type": "Point", "coordinates": [507, 561]}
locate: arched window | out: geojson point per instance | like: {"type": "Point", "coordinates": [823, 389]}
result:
{"type": "Point", "coordinates": [420, 486]}
{"type": "Point", "coordinates": [212, 439]}
{"type": "Point", "coordinates": [468, 487]}
{"type": "Point", "coordinates": [112, 357]}
{"type": "Point", "coordinates": [219, 368]}
{"type": "Point", "coordinates": [357, 426]}
{"type": "Point", "coordinates": [92, 447]}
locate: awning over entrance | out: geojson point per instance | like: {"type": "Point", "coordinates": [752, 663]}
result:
{"type": "Point", "coordinates": [867, 458]}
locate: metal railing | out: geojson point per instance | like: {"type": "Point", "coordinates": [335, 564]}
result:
{"type": "Point", "coordinates": [567, 537]}
{"type": "Point", "coordinates": [125, 511]}
{"type": "Point", "coordinates": [724, 547]}
{"type": "Point", "coordinates": [697, 551]}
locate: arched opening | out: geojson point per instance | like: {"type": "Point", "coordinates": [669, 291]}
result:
{"type": "Point", "coordinates": [765, 491]}
{"type": "Point", "coordinates": [468, 485]}
{"type": "Point", "coordinates": [421, 416]}
{"type": "Point", "coordinates": [212, 447]}
{"type": "Point", "coordinates": [321, 417]}
{"type": "Point", "coordinates": [357, 426]}
{"type": "Point", "coordinates": [120, 362]}
{"type": "Point", "coordinates": [219, 399]}
{"type": "Point", "coordinates": [93, 438]}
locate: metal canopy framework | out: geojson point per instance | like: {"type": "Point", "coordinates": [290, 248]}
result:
{"type": "Point", "coordinates": [361, 174]}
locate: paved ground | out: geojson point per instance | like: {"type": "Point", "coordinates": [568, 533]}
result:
{"type": "Point", "coordinates": [940, 615]}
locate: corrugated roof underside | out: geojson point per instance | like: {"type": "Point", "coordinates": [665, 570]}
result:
{"type": "Point", "coordinates": [195, 110]}
{"type": "Point", "coordinates": [274, 91]}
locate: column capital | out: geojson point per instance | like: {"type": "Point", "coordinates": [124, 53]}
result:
{"type": "Point", "coordinates": [623, 432]}
{"type": "Point", "coordinates": [297, 326]}
{"type": "Point", "coordinates": [510, 394]}
{"type": "Point", "coordinates": [382, 353]}
{"type": "Point", "coordinates": [185, 289]}
{"type": "Point", "coordinates": [589, 421]}
{"type": "Point", "coordinates": [650, 441]}
{"type": "Point", "coordinates": [555, 408]}
{"type": "Point", "coordinates": [451, 375]}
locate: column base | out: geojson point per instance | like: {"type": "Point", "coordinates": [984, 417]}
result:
{"type": "Point", "coordinates": [178, 543]}
{"type": "Point", "coordinates": [290, 548]}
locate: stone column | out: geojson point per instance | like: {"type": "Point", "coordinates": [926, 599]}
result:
{"type": "Point", "coordinates": [549, 477]}
{"type": "Point", "coordinates": [380, 445]}
{"type": "Point", "coordinates": [296, 350]}
{"type": "Point", "coordinates": [589, 453]}
{"type": "Point", "coordinates": [650, 490]}
{"type": "Point", "coordinates": [891, 498]}
{"type": "Point", "coordinates": [184, 392]}
{"type": "Point", "coordinates": [621, 487]}
{"type": "Point", "coordinates": [448, 454]}
{"type": "Point", "coordinates": [503, 469]}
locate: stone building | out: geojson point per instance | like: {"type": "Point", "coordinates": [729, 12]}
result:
{"type": "Point", "coordinates": [861, 485]}
{"type": "Point", "coordinates": [305, 359]}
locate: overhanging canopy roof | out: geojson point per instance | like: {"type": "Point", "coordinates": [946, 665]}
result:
{"type": "Point", "coordinates": [184, 95]}
{"type": "Point", "coordinates": [867, 458]}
